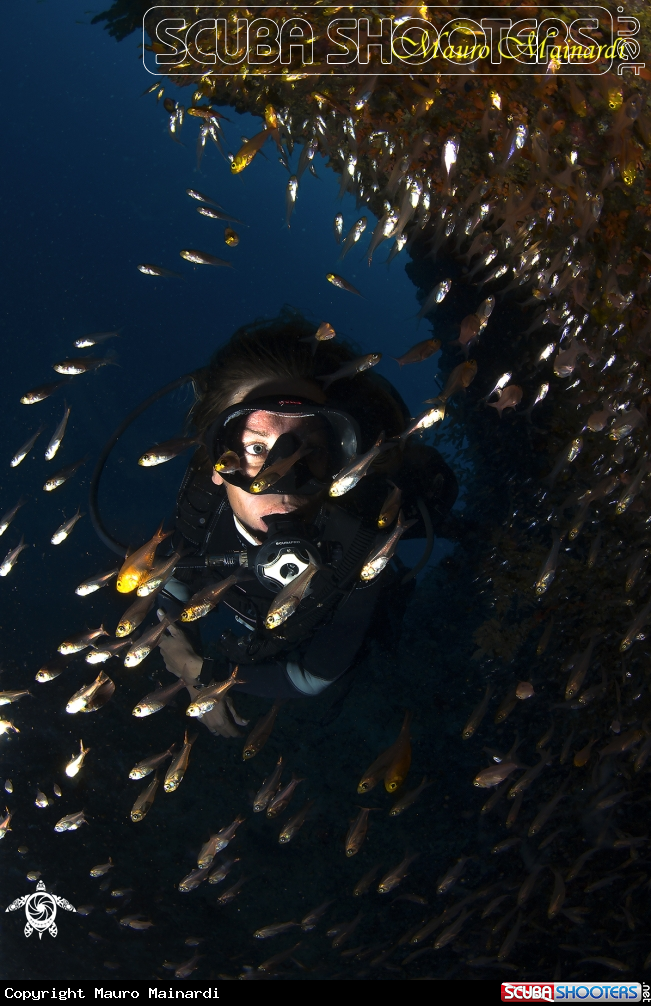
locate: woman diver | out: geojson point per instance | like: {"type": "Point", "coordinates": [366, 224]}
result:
{"type": "Point", "coordinates": [255, 505]}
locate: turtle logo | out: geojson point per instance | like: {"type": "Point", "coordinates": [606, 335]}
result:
{"type": "Point", "coordinates": [40, 910]}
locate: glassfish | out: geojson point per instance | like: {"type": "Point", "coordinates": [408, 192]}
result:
{"type": "Point", "coordinates": [477, 715]}
{"type": "Point", "coordinates": [8, 697]}
{"type": "Point", "coordinates": [269, 476]}
{"type": "Point", "coordinates": [290, 198]}
{"type": "Point", "coordinates": [9, 515]}
{"type": "Point", "coordinates": [207, 697]}
{"type": "Point", "coordinates": [395, 876]}
{"type": "Point", "coordinates": [99, 871]}
{"type": "Point", "coordinates": [279, 802]}
{"type": "Point", "coordinates": [71, 822]}
{"type": "Point", "coordinates": [461, 377]}
{"type": "Point", "coordinates": [143, 646]}
{"type": "Point", "coordinates": [193, 879]}
{"type": "Point", "coordinates": [341, 283]}
{"type": "Point", "coordinates": [104, 651]}
{"type": "Point", "coordinates": [421, 351]}
{"type": "Point", "coordinates": [160, 574]}
{"type": "Point", "coordinates": [353, 236]}
{"type": "Point", "coordinates": [310, 920]}
{"type": "Point", "coordinates": [144, 800]}
{"type": "Point", "coordinates": [379, 557]}
{"type": "Point", "coordinates": [274, 930]}
{"type": "Point", "coordinates": [509, 398]}
{"type": "Point", "coordinates": [41, 393]}
{"type": "Point", "coordinates": [338, 227]}
{"type": "Point", "coordinates": [390, 507]}
{"type": "Point", "coordinates": [137, 566]}
{"type": "Point", "coordinates": [23, 451]}
{"type": "Point", "coordinates": [219, 841]}
{"type": "Point", "coordinates": [437, 294]}
{"type": "Point", "coordinates": [228, 462]}
{"type": "Point", "coordinates": [384, 761]}
{"type": "Point", "coordinates": [74, 765]}
{"type": "Point", "coordinates": [351, 368]}
{"type": "Point", "coordinates": [57, 436]}
{"type": "Point", "coordinates": [157, 270]}
{"type": "Point", "coordinates": [95, 338]}
{"type": "Point", "coordinates": [496, 774]}
{"type": "Point", "coordinates": [52, 669]}
{"type": "Point", "coordinates": [75, 644]}
{"type": "Point", "coordinates": [287, 601]}
{"type": "Point", "coordinates": [261, 732]}
{"type": "Point", "coordinates": [62, 476]}
{"type": "Point", "coordinates": [357, 831]}
{"type": "Point", "coordinates": [324, 332]}
{"type": "Point", "coordinates": [426, 419]}
{"type": "Point", "coordinates": [147, 765]}
{"type": "Point", "coordinates": [289, 830]}
{"type": "Point", "coordinates": [398, 767]}
{"type": "Point", "coordinates": [157, 700]}
{"type": "Point", "coordinates": [231, 238]}
{"type": "Point", "coordinates": [9, 560]}
{"type": "Point", "coordinates": [406, 801]}
{"type": "Point", "coordinates": [205, 600]}
{"type": "Point", "coordinates": [160, 453]}
{"type": "Point", "coordinates": [356, 469]}
{"type": "Point", "coordinates": [95, 583]}
{"type": "Point", "coordinates": [268, 788]}
{"type": "Point", "coordinates": [213, 214]}
{"type": "Point", "coordinates": [91, 697]}
{"type": "Point", "coordinates": [134, 615]}
{"type": "Point", "coordinates": [177, 769]}
{"type": "Point", "coordinates": [5, 823]}
{"type": "Point", "coordinates": [221, 872]}
{"type": "Point", "coordinates": [451, 877]}
{"type": "Point", "coordinates": [82, 365]}
{"type": "Point", "coordinates": [203, 258]}
{"type": "Point", "coordinates": [247, 152]}
{"type": "Point", "coordinates": [578, 667]}
{"type": "Point", "coordinates": [64, 530]}
{"type": "Point", "coordinates": [548, 569]}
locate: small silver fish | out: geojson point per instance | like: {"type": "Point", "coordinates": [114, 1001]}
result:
{"type": "Point", "coordinates": [338, 226]}
{"type": "Point", "coordinates": [9, 560]}
{"type": "Point", "coordinates": [9, 515]}
{"type": "Point", "coordinates": [381, 555]}
{"type": "Point", "coordinates": [147, 765]}
{"type": "Point", "coordinates": [23, 451]}
{"type": "Point", "coordinates": [290, 198]}
{"type": "Point", "coordinates": [64, 530]}
{"type": "Point", "coordinates": [95, 583]}
{"type": "Point", "coordinates": [58, 435]}
{"type": "Point", "coordinates": [95, 338]}
{"type": "Point", "coordinates": [203, 258]}
{"type": "Point", "coordinates": [71, 822]}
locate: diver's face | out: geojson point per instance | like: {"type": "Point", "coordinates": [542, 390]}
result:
{"type": "Point", "coordinates": [256, 439]}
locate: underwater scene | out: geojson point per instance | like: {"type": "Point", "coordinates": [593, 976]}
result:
{"type": "Point", "coordinates": [325, 505]}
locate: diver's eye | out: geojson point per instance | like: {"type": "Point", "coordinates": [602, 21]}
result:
{"type": "Point", "coordinates": [256, 449]}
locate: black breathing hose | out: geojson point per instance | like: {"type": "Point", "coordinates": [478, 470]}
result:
{"type": "Point", "coordinates": [93, 506]}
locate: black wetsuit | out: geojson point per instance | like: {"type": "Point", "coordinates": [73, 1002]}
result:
{"type": "Point", "coordinates": [320, 641]}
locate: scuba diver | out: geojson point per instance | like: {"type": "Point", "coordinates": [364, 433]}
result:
{"type": "Point", "coordinates": [279, 416]}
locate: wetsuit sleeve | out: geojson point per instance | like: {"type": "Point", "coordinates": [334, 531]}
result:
{"type": "Point", "coordinates": [328, 654]}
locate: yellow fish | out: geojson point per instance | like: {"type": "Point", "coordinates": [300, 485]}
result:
{"type": "Point", "coordinates": [137, 566]}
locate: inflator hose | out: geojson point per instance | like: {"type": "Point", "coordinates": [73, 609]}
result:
{"type": "Point", "coordinates": [93, 506]}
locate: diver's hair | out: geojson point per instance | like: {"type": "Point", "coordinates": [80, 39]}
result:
{"type": "Point", "coordinates": [273, 349]}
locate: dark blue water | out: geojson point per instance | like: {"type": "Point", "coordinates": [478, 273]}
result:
{"type": "Point", "coordinates": [94, 185]}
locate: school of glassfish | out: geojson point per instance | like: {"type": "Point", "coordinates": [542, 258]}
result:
{"type": "Point", "coordinates": [578, 525]}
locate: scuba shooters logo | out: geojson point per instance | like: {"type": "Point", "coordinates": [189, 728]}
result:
{"type": "Point", "coordinates": [574, 991]}
{"type": "Point", "coordinates": [40, 910]}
